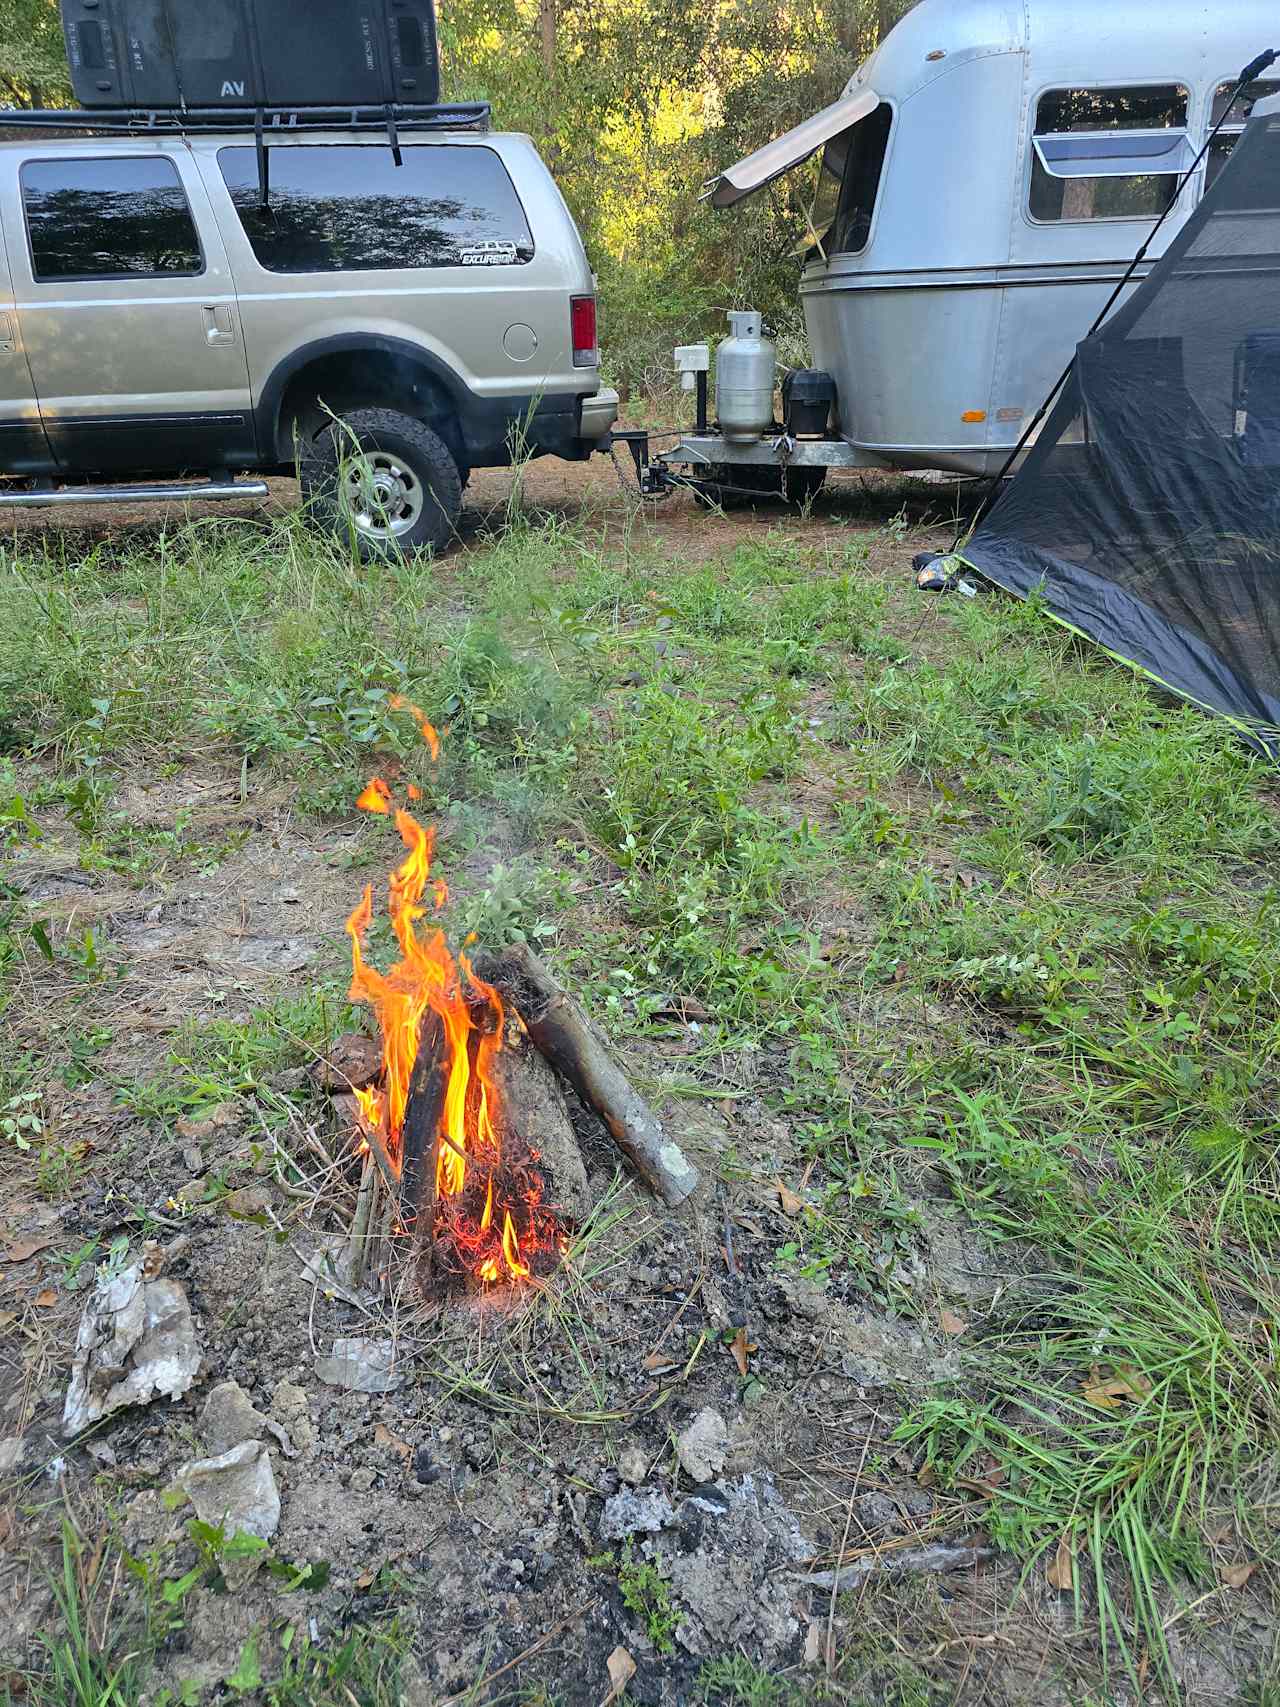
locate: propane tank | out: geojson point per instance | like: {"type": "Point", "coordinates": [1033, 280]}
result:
{"type": "Point", "coordinates": [745, 363]}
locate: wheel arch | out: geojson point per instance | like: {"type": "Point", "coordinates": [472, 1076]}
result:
{"type": "Point", "coordinates": [364, 371]}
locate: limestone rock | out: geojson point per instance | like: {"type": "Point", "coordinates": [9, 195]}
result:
{"type": "Point", "coordinates": [703, 1445]}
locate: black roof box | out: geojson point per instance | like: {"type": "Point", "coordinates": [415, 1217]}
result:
{"type": "Point", "coordinates": [251, 53]}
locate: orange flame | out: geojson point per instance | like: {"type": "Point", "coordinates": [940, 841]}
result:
{"type": "Point", "coordinates": [427, 978]}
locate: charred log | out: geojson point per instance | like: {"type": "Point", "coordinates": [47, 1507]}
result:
{"type": "Point", "coordinates": [423, 1107]}
{"type": "Point", "coordinates": [563, 1033]}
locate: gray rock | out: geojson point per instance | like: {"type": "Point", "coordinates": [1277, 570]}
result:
{"type": "Point", "coordinates": [291, 1405]}
{"type": "Point", "coordinates": [633, 1466]}
{"type": "Point", "coordinates": [229, 1418]}
{"type": "Point", "coordinates": [14, 1454]}
{"type": "Point", "coordinates": [703, 1445]}
{"type": "Point", "coordinates": [236, 1490]}
{"type": "Point", "coordinates": [638, 1511]}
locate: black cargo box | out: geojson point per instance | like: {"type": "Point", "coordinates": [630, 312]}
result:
{"type": "Point", "coordinates": [249, 53]}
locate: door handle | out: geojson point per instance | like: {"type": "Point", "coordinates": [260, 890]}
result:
{"type": "Point", "coordinates": [219, 324]}
{"type": "Point", "coordinates": [8, 337]}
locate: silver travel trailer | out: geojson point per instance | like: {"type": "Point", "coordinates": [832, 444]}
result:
{"type": "Point", "coordinates": [986, 177]}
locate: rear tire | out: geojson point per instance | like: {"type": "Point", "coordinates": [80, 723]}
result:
{"type": "Point", "coordinates": [384, 480]}
{"type": "Point", "coordinates": [761, 483]}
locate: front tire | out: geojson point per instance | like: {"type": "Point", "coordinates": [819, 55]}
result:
{"type": "Point", "coordinates": [383, 480]}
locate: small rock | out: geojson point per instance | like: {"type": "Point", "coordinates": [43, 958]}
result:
{"type": "Point", "coordinates": [362, 1480]}
{"type": "Point", "coordinates": [640, 1511]}
{"type": "Point", "coordinates": [101, 1451]}
{"type": "Point", "coordinates": [229, 1418]}
{"type": "Point", "coordinates": [633, 1466]}
{"type": "Point", "coordinates": [13, 1454]}
{"type": "Point", "coordinates": [236, 1490]}
{"type": "Point", "coordinates": [289, 1403]}
{"type": "Point", "coordinates": [703, 1445]}
{"type": "Point", "coordinates": [193, 1159]}
{"type": "Point", "coordinates": [804, 1299]}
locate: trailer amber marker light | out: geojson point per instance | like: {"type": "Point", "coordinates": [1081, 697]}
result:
{"type": "Point", "coordinates": [974, 415]}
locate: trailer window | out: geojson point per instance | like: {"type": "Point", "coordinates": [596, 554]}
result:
{"type": "Point", "coordinates": [1237, 118]}
{"type": "Point", "coordinates": [864, 146]}
{"type": "Point", "coordinates": [1109, 153]}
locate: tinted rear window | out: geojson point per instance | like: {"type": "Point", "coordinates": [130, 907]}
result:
{"type": "Point", "coordinates": [351, 208]}
{"type": "Point", "coordinates": [105, 219]}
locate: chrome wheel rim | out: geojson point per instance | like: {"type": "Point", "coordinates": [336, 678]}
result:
{"type": "Point", "coordinates": [383, 496]}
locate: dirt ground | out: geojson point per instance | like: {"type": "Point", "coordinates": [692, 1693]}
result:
{"type": "Point", "coordinates": [523, 1485]}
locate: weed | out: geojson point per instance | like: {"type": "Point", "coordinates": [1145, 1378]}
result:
{"type": "Point", "coordinates": [646, 1594]}
{"type": "Point", "coordinates": [735, 1681]}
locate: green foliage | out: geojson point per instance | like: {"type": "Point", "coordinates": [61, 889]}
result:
{"type": "Point", "coordinates": [646, 1594]}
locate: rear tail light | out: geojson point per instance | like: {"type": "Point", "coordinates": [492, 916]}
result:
{"type": "Point", "coordinates": [582, 331]}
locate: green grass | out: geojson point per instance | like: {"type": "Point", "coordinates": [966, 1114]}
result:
{"type": "Point", "coordinates": [986, 916]}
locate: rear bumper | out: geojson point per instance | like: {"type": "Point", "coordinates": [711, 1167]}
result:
{"type": "Point", "coordinates": [599, 414]}
{"type": "Point", "coordinates": [498, 430]}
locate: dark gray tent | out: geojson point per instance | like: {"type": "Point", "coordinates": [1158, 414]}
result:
{"type": "Point", "coordinates": [1148, 511]}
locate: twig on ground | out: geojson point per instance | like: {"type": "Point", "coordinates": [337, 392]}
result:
{"type": "Point", "coordinates": [936, 1558]}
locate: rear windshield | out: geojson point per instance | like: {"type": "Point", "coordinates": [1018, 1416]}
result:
{"type": "Point", "coordinates": [350, 208]}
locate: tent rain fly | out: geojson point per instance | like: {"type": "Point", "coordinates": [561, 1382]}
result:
{"type": "Point", "coordinates": [1148, 511]}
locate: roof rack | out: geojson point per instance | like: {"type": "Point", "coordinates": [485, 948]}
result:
{"type": "Point", "coordinates": [169, 121]}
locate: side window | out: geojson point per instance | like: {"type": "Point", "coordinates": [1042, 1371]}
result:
{"type": "Point", "coordinates": [346, 208]}
{"type": "Point", "coordinates": [108, 219]}
{"type": "Point", "coordinates": [1225, 140]}
{"type": "Point", "coordinates": [1109, 153]}
{"type": "Point", "coordinates": [865, 146]}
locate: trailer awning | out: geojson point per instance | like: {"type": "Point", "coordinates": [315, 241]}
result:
{"type": "Point", "coordinates": [789, 150]}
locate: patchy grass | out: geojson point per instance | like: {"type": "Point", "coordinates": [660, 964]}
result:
{"type": "Point", "coordinates": [974, 911]}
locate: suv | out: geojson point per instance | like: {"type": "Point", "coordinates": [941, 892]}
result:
{"type": "Point", "coordinates": [383, 314]}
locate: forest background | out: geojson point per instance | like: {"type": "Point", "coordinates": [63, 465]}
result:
{"type": "Point", "coordinates": [634, 104]}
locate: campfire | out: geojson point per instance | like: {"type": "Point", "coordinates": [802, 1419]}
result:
{"type": "Point", "coordinates": [469, 1141]}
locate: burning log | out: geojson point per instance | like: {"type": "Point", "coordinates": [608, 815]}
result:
{"type": "Point", "coordinates": [575, 1047]}
{"type": "Point", "coordinates": [467, 1128]}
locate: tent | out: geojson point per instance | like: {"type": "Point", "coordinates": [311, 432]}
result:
{"type": "Point", "coordinates": [1147, 513]}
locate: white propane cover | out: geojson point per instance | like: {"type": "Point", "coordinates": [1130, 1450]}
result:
{"type": "Point", "coordinates": [745, 367]}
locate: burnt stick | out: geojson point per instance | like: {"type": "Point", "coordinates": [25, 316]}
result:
{"type": "Point", "coordinates": [423, 1107]}
{"type": "Point", "coordinates": [563, 1033]}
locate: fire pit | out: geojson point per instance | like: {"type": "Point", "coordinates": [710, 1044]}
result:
{"type": "Point", "coordinates": [466, 1131]}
